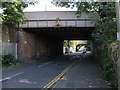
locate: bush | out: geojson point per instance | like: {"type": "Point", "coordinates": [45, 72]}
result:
{"type": "Point", "coordinates": [109, 69]}
{"type": "Point", "coordinates": [9, 60]}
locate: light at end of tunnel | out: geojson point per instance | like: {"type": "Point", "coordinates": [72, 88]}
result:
{"type": "Point", "coordinates": [8, 40]}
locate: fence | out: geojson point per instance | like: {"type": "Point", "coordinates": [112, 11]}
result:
{"type": "Point", "coordinates": [9, 48]}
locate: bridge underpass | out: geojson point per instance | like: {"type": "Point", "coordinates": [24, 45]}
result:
{"type": "Point", "coordinates": [38, 43]}
{"type": "Point", "coordinates": [41, 43]}
{"type": "Point", "coordinates": [39, 39]}
{"type": "Point", "coordinates": [64, 33]}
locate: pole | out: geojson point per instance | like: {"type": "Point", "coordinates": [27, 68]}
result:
{"type": "Point", "coordinates": [118, 38]}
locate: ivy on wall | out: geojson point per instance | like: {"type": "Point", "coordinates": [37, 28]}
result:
{"type": "Point", "coordinates": [109, 66]}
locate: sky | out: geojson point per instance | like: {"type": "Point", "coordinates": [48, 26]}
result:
{"type": "Point", "coordinates": [1, 10]}
{"type": "Point", "coordinates": [46, 5]}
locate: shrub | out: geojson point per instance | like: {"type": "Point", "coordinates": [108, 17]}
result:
{"type": "Point", "coordinates": [9, 60]}
{"type": "Point", "coordinates": [109, 68]}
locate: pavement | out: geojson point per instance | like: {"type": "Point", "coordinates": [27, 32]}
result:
{"type": "Point", "coordinates": [84, 74]}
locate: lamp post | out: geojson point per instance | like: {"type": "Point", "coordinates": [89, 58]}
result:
{"type": "Point", "coordinates": [118, 38]}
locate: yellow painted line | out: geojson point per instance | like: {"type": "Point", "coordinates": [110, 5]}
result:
{"type": "Point", "coordinates": [58, 77]}
{"type": "Point", "coordinates": [54, 79]}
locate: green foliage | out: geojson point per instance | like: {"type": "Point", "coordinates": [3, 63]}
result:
{"type": "Point", "coordinates": [71, 43]}
{"type": "Point", "coordinates": [115, 54]}
{"type": "Point", "coordinates": [109, 68]}
{"type": "Point", "coordinates": [104, 33]}
{"type": "Point", "coordinates": [105, 25]}
{"type": "Point", "coordinates": [65, 44]}
{"type": "Point", "coordinates": [109, 52]}
{"type": "Point", "coordinates": [9, 60]}
{"type": "Point", "coordinates": [13, 12]}
{"type": "Point", "coordinates": [109, 72]}
{"type": "Point", "coordinates": [105, 52]}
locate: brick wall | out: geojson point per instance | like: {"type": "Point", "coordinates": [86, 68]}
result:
{"type": "Point", "coordinates": [32, 46]}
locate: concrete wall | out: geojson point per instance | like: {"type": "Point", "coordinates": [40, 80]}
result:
{"type": "Point", "coordinates": [56, 14]}
{"type": "Point", "coordinates": [5, 34]}
{"type": "Point", "coordinates": [9, 34]}
{"type": "Point", "coordinates": [34, 47]}
{"type": "Point", "coordinates": [9, 40]}
{"type": "Point", "coordinates": [9, 48]}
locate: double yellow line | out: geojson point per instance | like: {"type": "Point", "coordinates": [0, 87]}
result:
{"type": "Point", "coordinates": [58, 77]}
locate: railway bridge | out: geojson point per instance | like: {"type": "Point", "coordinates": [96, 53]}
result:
{"type": "Point", "coordinates": [41, 36]}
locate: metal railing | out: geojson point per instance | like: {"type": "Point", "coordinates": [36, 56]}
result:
{"type": "Point", "coordinates": [66, 22]}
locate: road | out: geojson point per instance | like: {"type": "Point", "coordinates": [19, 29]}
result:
{"type": "Point", "coordinates": [35, 75]}
{"type": "Point", "coordinates": [85, 74]}
{"type": "Point", "coordinates": [39, 74]}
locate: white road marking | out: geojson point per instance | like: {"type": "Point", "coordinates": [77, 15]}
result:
{"type": "Point", "coordinates": [11, 76]}
{"type": "Point", "coordinates": [44, 64]}
{"type": "Point", "coordinates": [7, 78]}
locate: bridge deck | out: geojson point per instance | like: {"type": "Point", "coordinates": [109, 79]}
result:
{"type": "Point", "coordinates": [52, 23]}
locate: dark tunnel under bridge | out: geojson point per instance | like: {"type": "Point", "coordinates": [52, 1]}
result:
{"type": "Point", "coordinates": [39, 43]}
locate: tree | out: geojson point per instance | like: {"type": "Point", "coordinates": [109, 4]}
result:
{"type": "Point", "coordinates": [13, 12]}
{"type": "Point", "coordinates": [104, 33]}
{"type": "Point", "coordinates": [105, 27]}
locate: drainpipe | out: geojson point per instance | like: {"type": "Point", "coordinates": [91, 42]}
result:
{"type": "Point", "coordinates": [118, 38]}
